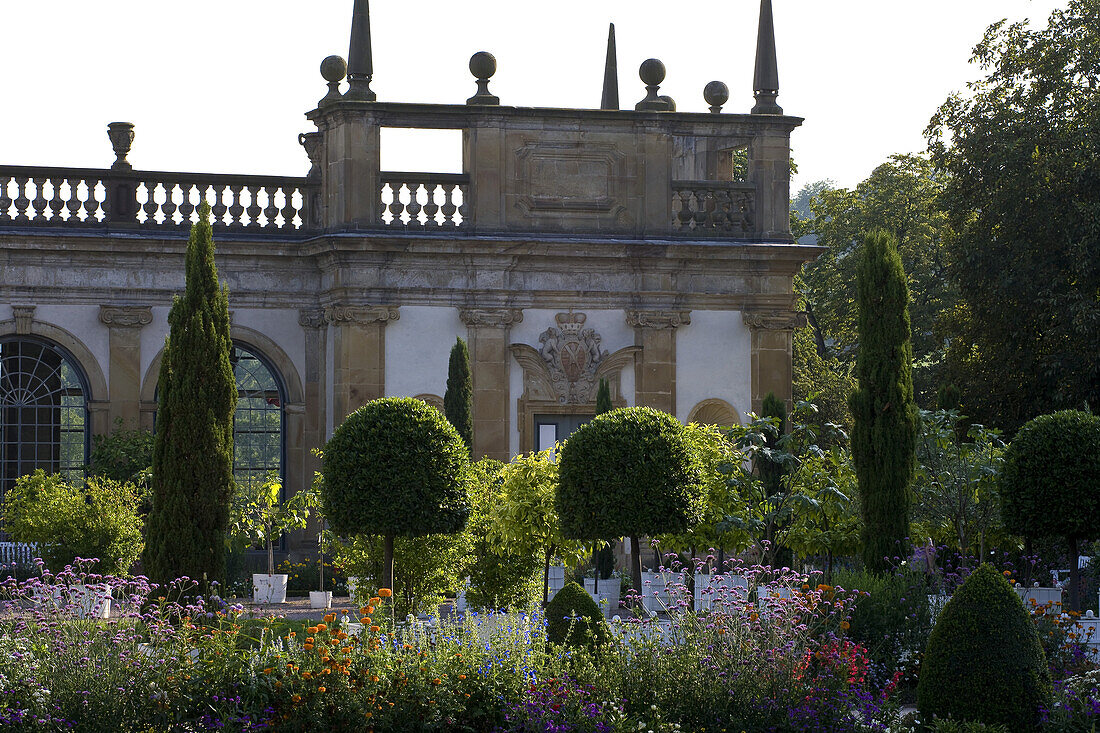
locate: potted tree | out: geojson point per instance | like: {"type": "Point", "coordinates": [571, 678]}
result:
{"type": "Point", "coordinates": [257, 517]}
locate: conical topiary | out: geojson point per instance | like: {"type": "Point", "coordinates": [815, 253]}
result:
{"type": "Point", "coordinates": [574, 619]}
{"type": "Point", "coordinates": [984, 662]}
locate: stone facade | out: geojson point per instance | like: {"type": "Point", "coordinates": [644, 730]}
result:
{"type": "Point", "coordinates": [650, 248]}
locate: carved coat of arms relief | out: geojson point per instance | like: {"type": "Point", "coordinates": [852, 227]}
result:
{"type": "Point", "coordinates": [572, 354]}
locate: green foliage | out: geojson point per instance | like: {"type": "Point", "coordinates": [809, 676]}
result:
{"type": "Point", "coordinates": [1050, 483]}
{"type": "Point", "coordinates": [193, 449]}
{"type": "Point", "coordinates": [122, 456]}
{"type": "Point", "coordinates": [427, 567]}
{"type": "Point", "coordinates": [1054, 462]}
{"type": "Point", "coordinates": [629, 472]}
{"type": "Point", "coordinates": [603, 398]}
{"type": "Point", "coordinates": [498, 579]}
{"type": "Point", "coordinates": [885, 418]}
{"type": "Point", "coordinates": [395, 467]}
{"type": "Point", "coordinates": [984, 662]}
{"type": "Point", "coordinates": [964, 726]}
{"type": "Point", "coordinates": [258, 516]}
{"type": "Point", "coordinates": [955, 485]}
{"type": "Point", "coordinates": [901, 196]}
{"type": "Point", "coordinates": [574, 619]}
{"type": "Point", "coordinates": [1022, 191]}
{"type": "Point", "coordinates": [524, 520]}
{"type": "Point", "coordinates": [891, 618]}
{"type": "Point", "coordinates": [813, 506]}
{"type": "Point", "coordinates": [98, 520]}
{"type": "Point", "coordinates": [458, 399]}
{"type": "Point", "coordinates": [827, 381]}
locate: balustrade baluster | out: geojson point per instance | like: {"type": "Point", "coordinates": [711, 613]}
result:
{"type": "Point", "coordinates": [39, 203]}
{"type": "Point", "coordinates": [218, 207]}
{"type": "Point", "coordinates": [414, 206]}
{"type": "Point", "coordinates": [72, 201]}
{"type": "Point", "coordinates": [464, 207]}
{"type": "Point", "coordinates": [236, 206]}
{"type": "Point", "coordinates": [186, 208]}
{"type": "Point", "coordinates": [431, 208]}
{"type": "Point", "coordinates": [22, 203]}
{"type": "Point", "coordinates": [55, 203]}
{"type": "Point", "coordinates": [449, 208]}
{"type": "Point", "coordinates": [149, 208]}
{"type": "Point", "coordinates": [398, 207]}
{"type": "Point", "coordinates": [270, 211]}
{"type": "Point", "coordinates": [169, 205]}
{"type": "Point", "coordinates": [5, 200]}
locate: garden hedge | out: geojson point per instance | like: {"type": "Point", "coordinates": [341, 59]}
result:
{"type": "Point", "coordinates": [984, 662]}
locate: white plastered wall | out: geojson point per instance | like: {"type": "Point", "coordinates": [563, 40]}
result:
{"type": "Point", "coordinates": [82, 321]}
{"type": "Point", "coordinates": [713, 361]}
{"type": "Point", "coordinates": [281, 326]}
{"type": "Point", "coordinates": [609, 324]}
{"type": "Point", "coordinates": [418, 348]}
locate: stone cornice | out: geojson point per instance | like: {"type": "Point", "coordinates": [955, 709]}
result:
{"type": "Point", "coordinates": [312, 318]}
{"type": "Point", "coordinates": [361, 315]}
{"type": "Point", "coordinates": [125, 316]}
{"type": "Point", "coordinates": [490, 317]}
{"type": "Point", "coordinates": [773, 320]}
{"type": "Point", "coordinates": [657, 319]}
{"type": "Point", "coordinates": [24, 316]}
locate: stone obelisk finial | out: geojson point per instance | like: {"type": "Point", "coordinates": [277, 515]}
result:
{"type": "Point", "coordinates": [765, 82]}
{"type": "Point", "coordinates": [360, 63]}
{"type": "Point", "coordinates": [610, 99]}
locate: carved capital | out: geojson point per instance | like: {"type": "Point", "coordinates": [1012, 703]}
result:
{"type": "Point", "coordinates": [311, 318]}
{"type": "Point", "coordinates": [657, 319]}
{"type": "Point", "coordinates": [125, 316]}
{"type": "Point", "coordinates": [361, 315]}
{"type": "Point", "coordinates": [490, 317]}
{"type": "Point", "coordinates": [24, 316]}
{"type": "Point", "coordinates": [773, 320]}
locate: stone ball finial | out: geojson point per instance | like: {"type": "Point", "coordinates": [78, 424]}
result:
{"type": "Point", "coordinates": [483, 65]}
{"type": "Point", "coordinates": [716, 94]}
{"type": "Point", "coordinates": [652, 72]}
{"type": "Point", "coordinates": [333, 70]}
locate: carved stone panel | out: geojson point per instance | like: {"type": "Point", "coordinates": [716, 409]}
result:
{"type": "Point", "coordinates": [555, 178]}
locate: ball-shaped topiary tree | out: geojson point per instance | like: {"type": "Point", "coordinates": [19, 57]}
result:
{"type": "Point", "coordinates": [983, 661]}
{"type": "Point", "coordinates": [1050, 483]}
{"type": "Point", "coordinates": [574, 619]}
{"type": "Point", "coordinates": [395, 467]}
{"type": "Point", "coordinates": [628, 472]}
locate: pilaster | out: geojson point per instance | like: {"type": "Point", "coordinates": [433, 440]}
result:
{"type": "Point", "coordinates": [124, 380]}
{"type": "Point", "coordinates": [488, 336]}
{"type": "Point", "coordinates": [655, 364]}
{"type": "Point", "coordinates": [772, 334]}
{"type": "Point", "coordinates": [359, 346]}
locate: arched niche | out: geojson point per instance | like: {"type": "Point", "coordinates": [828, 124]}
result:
{"type": "Point", "coordinates": [714, 411]}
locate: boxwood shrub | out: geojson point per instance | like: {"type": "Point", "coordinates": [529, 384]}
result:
{"type": "Point", "coordinates": [574, 619]}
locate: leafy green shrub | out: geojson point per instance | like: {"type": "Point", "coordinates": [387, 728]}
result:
{"type": "Point", "coordinates": [395, 467]}
{"type": "Point", "coordinates": [984, 662]}
{"type": "Point", "coordinates": [890, 617]}
{"type": "Point", "coordinates": [955, 726]}
{"type": "Point", "coordinates": [574, 619]}
{"type": "Point", "coordinates": [1054, 461]}
{"type": "Point", "coordinates": [123, 455]}
{"type": "Point", "coordinates": [98, 520]}
{"type": "Point", "coordinates": [629, 472]}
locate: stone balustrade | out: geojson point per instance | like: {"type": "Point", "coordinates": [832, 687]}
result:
{"type": "Point", "coordinates": [714, 208]}
{"type": "Point", "coordinates": [73, 197]}
{"type": "Point", "coordinates": [424, 200]}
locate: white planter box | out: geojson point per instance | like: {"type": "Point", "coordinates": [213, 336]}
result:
{"type": "Point", "coordinates": [82, 601]}
{"type": "Point", "coordinates": [608, 597]}
{"type": "Point", "coordinates": [556, 581]}
{"type": "Point", "coordinates": [1041, 595]}
{"type": "Point", "coordinates": [320, 599]}
{"type": "Point", "coordinates": [269, 588]}
{"type": "Point", "coordinates": [655, 596]}
{"type": "Point", "coordinates": [719, 588]}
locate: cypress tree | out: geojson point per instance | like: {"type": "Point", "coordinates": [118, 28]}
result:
{"type": "Point", "coordinates": [603, 397]}
{"type": "Point", "coordinates": [884, 432]}
{"type": "Point", "coordinates": [458, 400]}
{"type": "Point", "coordinates": [193, 449]}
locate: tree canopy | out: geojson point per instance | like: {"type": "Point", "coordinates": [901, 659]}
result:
{"type": "Point", "coordinates": [1022, 196]}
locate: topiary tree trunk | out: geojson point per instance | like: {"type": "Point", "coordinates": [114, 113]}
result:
{"type": "Point", "coordinates": [884, 432]}
{"type": "Point", "coordinates": [458, 399]}
{"type": "Point", "coordinates": [603, 404]}
{"type": "Point", "coordinates": [193, 449]}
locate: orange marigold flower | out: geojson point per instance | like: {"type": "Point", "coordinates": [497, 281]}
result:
{"type": "Point", "coordinates": [363, 611]}
{"type": "Point", "coordinates": [326, 670]}
{"type": "Point", "coordinates": [321, 627]}
{"type": "Point", "coordinates": [462, 676]}
{"type": "Point", "coordinates": [346, 650]}
{"type": "Point", "coordinates": [375, 629]}
{"type": "Point", "coordinates": [307, 675]}
{"type": "Point", "coordinates": [292, 634]}
{"type": "Point", "coordinates": [365, 620]}
{"type": "Point", "coordinates": [329, 618]}
{"type": "Point", "coordinates": [297, 698]}
{"type": "Point", "coordinates": [845, 625]}
{"type": "Point", "coordinates": [374, 678]}
{"type": "Point", "coordinates": [341, 635]}
{"type": "Point", "coordinates": [307, 647]}
{"type": "Point", "coordinates": [385, 592]}
{"type": "Point", "coordinates": [321, 689]}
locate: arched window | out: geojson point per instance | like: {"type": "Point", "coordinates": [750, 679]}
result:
{"type": "Point", "coordinates": [43, 410]}
{"type": "Point", "coordinates": [258, 445]}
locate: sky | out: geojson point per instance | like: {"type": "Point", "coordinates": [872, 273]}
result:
{"type": "Point", "coordinates": [222, 86]}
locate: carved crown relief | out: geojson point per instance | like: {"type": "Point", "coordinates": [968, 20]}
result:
{"type": "Point", "coordinates": [569, 363]}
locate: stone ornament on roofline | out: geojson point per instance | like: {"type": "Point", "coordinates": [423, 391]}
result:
{"type": "Point", "coordinates": [361, 315]}
{"type": "Point", "coordinates": [657, 319]}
